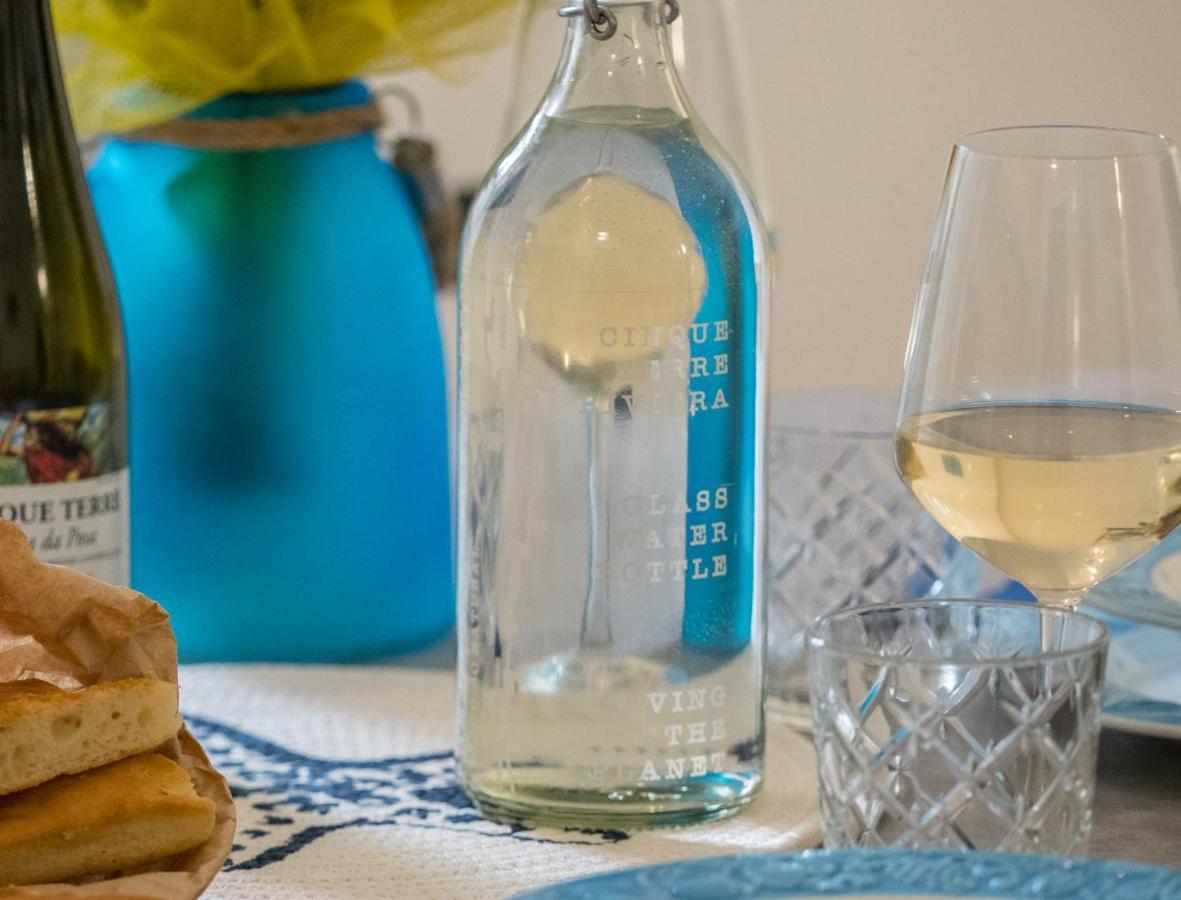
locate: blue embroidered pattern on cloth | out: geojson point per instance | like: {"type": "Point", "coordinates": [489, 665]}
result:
{"type": "Point", "coordinates": [287, 800]}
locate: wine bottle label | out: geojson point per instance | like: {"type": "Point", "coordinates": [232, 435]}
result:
{"type": "Point", "coordinates": [62, 485]}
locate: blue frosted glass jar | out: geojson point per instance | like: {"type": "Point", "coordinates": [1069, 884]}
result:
{"type": "Point", "coordinates": [290, 492]}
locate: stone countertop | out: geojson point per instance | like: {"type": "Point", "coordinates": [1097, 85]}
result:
{"type": "Point", "coordinates": [1138, 799]}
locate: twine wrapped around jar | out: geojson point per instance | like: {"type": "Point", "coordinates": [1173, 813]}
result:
{"type": "Point", "coordinates": [292, 129]}
{"type": "Point", "coordinates": [413, 159]}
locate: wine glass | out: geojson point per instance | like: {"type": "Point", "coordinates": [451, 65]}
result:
{"type": "Point", "coordinates": [1039, 415]}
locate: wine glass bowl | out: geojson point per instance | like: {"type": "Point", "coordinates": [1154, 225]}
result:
{"type": "Point", "coordinates": [1038, 421]}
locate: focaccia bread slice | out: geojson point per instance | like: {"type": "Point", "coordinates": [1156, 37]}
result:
{"type": "Point", "coordinates": [101, 822]}
{"type": "Point", "coordinates": [46, 731]}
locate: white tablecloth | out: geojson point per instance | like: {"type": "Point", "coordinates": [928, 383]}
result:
{"type": "Point", "coordinates": [345, 788]}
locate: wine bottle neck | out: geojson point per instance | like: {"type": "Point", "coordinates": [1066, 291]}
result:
{"type": "Point", "coordinates": [631, 73]}
{"type": "Point", "coordinates": [32, 97]}
{"type": "Point", "coordinates": [59, 332]}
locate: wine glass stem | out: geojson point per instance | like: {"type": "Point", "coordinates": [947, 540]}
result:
{"type": "Point", "coordinates": [1051, 629]}
{"type": "Point", "coordinates": [596, 611]}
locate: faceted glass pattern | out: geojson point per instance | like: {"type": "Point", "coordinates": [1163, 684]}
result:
{"type": "Point", "coordinates": [843, 529]}
{"type": "Point", "coordinates": [957, 724]}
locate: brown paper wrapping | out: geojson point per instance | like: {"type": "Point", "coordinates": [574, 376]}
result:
{"type": "Point", "coordinates": [59, 626]}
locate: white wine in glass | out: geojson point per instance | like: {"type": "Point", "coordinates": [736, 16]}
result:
{"type": "Point", "coordinates": [1039, 419]}
{"type": "Point", "coordinates": [1059, 496]}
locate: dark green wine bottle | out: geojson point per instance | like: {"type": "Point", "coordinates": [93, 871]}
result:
{"type": "Point", "coordinates": [63, 403]}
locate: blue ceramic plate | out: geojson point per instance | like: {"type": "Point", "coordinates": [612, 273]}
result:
{"type": "Point", "coordinates": [878, 873]}
{"type": "Point", "coordinates": [1142, 691]}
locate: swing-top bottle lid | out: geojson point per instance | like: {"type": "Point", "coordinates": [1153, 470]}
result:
{"type": "Point", "coordinates": [601, 22]}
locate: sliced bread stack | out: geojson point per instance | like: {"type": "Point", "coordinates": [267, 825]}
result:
{"type": "Point", "coordinates": [81, 793]}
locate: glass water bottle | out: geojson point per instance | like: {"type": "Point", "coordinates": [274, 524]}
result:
{"type": "Point", "coordinates": [611, 424]}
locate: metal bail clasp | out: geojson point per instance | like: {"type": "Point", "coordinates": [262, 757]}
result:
{"type": "Point", "coordinates": [601, 23]}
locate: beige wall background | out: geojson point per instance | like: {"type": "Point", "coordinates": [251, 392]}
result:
{"type": "Point", "coordinates": [858, 104]}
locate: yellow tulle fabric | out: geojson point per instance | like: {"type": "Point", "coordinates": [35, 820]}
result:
{"type": "Point", "coordinates": [130, 63]}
